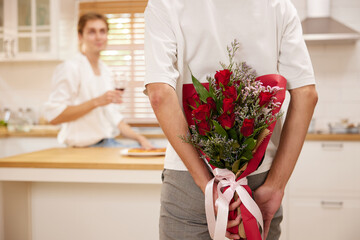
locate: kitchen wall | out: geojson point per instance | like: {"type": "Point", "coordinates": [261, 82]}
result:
{"type": "Point", "coordinates": [28, 83]}
{"type": "Point", "coordinates": [337, 68]}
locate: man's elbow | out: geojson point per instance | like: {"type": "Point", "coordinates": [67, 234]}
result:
{"type": "Point", "coordinates": [313, 96]}
{"type": "Point", "coordinates": [157, 93]}
{"type": "Point", "coordinates": [307, 93]}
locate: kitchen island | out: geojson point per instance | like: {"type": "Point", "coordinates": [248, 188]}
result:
{"type": "Point", "coordinates": [79, 193]}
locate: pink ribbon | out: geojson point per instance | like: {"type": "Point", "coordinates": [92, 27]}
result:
{"type": "Point", "coordinates": [226, 178]}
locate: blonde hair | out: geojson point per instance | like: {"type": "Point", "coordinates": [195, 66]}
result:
{"type": "Point", "coordinates": [90, 16]}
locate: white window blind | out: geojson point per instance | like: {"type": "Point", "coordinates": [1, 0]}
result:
{"type": "Point", "coordinates": [125, 52]}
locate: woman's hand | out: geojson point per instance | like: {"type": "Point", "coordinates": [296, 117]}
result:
{"type": "Point", "coordinates": [111, 96]}
{"type": "Point", "coordinates": [145, 143]}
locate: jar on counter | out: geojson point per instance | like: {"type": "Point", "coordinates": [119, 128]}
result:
{"type": "Point", "coordinates": [30, 116]}
{"type": "Point", "coordinates": [19, 122]}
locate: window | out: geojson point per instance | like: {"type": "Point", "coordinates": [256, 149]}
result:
{"type": "Point", "coordinates": [125, 52]}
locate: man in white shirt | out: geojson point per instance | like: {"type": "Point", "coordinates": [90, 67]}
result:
{"type": "Point", "coordinates": [185, 34]}
{"type": "Point", "coordinates": [84, 97]}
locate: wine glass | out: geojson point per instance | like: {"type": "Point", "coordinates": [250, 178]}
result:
{"type": "Point", "coordinates": [121, 82]}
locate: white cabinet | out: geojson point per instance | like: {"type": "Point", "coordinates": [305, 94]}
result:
{"type": "Point", "coordinates": [324, 218]}
{"type": "Point", "coordinates": [28, 30]}
{"type": "Point", "coordinates": [324, 192]}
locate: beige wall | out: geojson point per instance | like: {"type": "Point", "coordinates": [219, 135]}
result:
{"type": "Point", "coordinates": [25, 84]}
{"type": "Point", "coordinates": [337, 68]}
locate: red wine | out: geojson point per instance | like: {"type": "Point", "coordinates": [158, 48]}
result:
{"type": "Point", "coordinates": [120, 89]}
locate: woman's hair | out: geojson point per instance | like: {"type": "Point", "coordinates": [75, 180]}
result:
{"type": "Point", "coordinates": [90, 16]}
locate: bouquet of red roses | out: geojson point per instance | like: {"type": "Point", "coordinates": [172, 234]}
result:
{"type": "Point", "coordinates": [231, 118]}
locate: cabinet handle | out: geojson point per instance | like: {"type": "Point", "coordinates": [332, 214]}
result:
{"type": "Point", "coordinates": [337, 204]}
{"type": "Point", "coordinates": [332, 146]}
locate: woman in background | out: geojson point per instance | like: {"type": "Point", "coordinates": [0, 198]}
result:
{"type": "Point", "coordinates": [83, 98]}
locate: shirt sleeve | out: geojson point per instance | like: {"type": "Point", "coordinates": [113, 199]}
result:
{"type": "Point", "coordinates": [294, 61]}
{"type": "Point", "coordinates": [65, 85]}
{"type": "Point", "coordinates": [160, 46]}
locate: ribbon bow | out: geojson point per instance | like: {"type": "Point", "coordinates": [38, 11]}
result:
{"type": "Point", "coordinates": [226, 178]}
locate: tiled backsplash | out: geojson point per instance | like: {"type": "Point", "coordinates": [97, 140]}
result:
{"type": "Point", "coordinates": [337, 71]}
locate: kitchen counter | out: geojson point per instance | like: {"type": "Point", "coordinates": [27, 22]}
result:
{"type": "Point", "coordinates": [82, 158]}
{"type": "Point", "coordinates": [332, 137]}
{"type": "Point", "coordinates": [96, 165]}
{"type": "Point", "coordinates": [95, 189]}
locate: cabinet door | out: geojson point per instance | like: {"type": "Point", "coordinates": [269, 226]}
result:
{"type": "Point", "coordinates": [30, 30]}
{"type": "Point", "coordinates": [327, 168]}
{"type": "Point", "coordinates": [35, 33]}
{"type": "Point", "coordinates": [324, 218]}
{"type": "Point", "coordinates": [25, 21]}
{"type": "Point", "coordinates": [7, 26]}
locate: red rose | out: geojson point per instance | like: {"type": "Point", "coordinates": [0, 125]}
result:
{"type": "Point", "coordinates": [211, 103]}
{"type": "Point", "coordinates": [228, 105]}
{"type": "Point", "coordinates": [203, 127]}
{"type": "Point", "coordinates": [202, 112]}
{"type": "Point", "coordinates": [230, 92]}
{"type": "Point", "coordinates": [223, 77]}
{"type": "Point", "coordinates": [248, 127]}
{"type": "Point", "coordinates": [194, 100]}
{"type": "Point", "coordinates": [265, 98]}
{"type": "Point", "coordinates": [227, 121]}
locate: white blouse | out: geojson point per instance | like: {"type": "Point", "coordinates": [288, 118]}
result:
{"type": "Point", "coordinates": [73, 83]}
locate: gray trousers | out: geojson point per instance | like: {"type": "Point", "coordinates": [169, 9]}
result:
{"type": "Point", "coordinates": [182, 213]}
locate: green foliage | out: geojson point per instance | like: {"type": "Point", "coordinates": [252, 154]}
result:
{"type": "Point", "coordinates": [3, 123]}
{"type": "Point", "coordinates": [233, 134]}
{"type": "Point", "coordinates": [200, 89]}
{"type": "Point", "coordinates": [250, 142]}
{"type": "Point", "coordinates": [219, 129]}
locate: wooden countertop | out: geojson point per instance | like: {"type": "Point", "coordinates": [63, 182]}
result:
{"type": "Point", "coordinates": [332, 137]}
{"type": "Point", "coordinates": [82, 158]}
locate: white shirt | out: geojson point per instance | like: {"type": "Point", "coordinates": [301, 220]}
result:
{"type": "Point", "coordinates": [74, 82]}
{"type": "Point", "coordinates": [187, 34]}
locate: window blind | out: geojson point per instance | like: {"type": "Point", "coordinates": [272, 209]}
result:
{"type": "Point", "coordinates": [125, 52]}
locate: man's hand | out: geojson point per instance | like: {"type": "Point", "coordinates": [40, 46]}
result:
{"type": "Point", "coordinates": [232, 207]}
{"type": "Point", "coordinates": [235, 222]}
{"type": "Point", "coordinates": [108, 97]}
{"type": "Point", "coordinates": [269, 201]}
